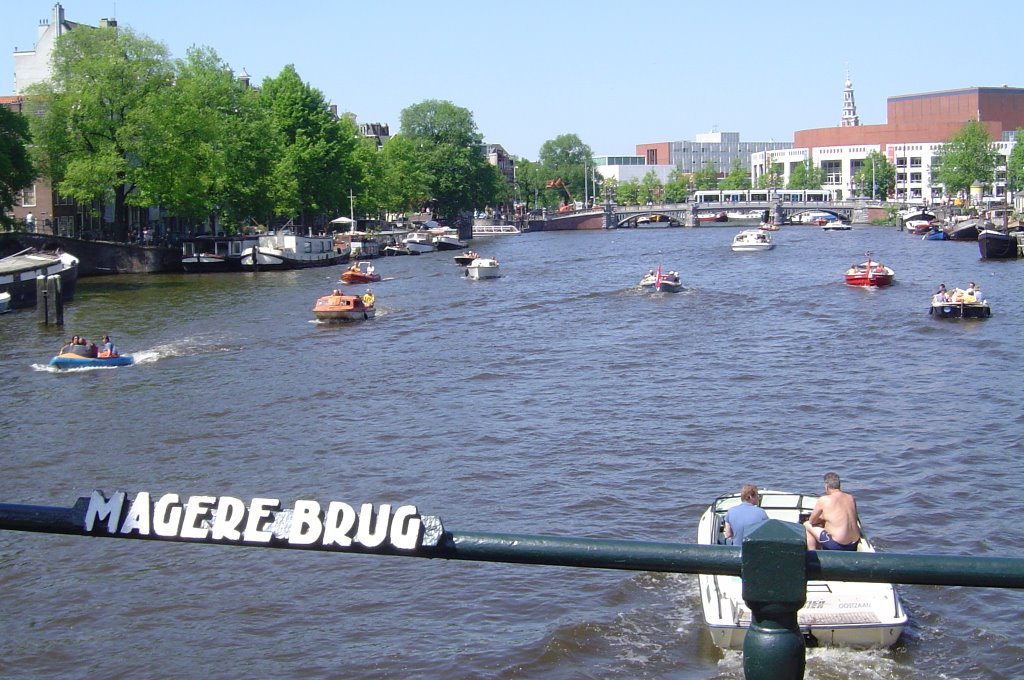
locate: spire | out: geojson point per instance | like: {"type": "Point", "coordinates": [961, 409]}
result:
{"type": "Point", "coordinates": [850, 118]}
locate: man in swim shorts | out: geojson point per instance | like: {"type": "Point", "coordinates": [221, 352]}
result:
{"type": "Point", "coordinates": [833, 524]}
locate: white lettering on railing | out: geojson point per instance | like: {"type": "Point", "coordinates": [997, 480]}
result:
{"type": "Point", "coordinates": [225, 519]}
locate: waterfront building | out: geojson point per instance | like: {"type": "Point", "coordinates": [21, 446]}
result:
{"type": "Point", "coordinates": [917, 127]}
{"type": "Point", "coordinates": [722, 149]}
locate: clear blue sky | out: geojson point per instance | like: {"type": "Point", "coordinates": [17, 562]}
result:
{"type": "Point", "coordinates": [617, 74]}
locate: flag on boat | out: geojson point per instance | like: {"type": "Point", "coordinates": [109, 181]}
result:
{"type": "Point", "coordinates": [657, 280]}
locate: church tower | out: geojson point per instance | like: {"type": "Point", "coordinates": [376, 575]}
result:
{"type": "Point", "coordinates": [850, 118]}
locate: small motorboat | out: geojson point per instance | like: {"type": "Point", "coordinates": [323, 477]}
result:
{"type": "Point", "coordinates": [483, 268]}
{"type": "Point", "coordinates": [420, 242]}
{"type": "Point", "coordinates": [72, 360]}
{"type": "Point", "coordinates": [960, 304]}
{"type": "Point", "coordinates": [399, 249]}
{"type": "Point", "coordinates": [713, 217]}
{"type": "Point", "coordinates": [466, 258]}
{"type": "Point", "coordinates": [360, 272]}
{"type": "Point", "coordinates": [5, 302]}
{"type": "Point", "coordinates": [659, 281]}
{"type": "Point", "coordinates": [934, 234]}
{"type": "Point", "coordinates": [448, 239]}
{"type": "Point", "coordinates": [768, 226]}
{"type": "Point", "coordinates": [835, 614]}
{"type": "Point", "coordinates": [966, 230]}
{"type": "Point", "coordinates": [340, 307]}
{"type": "Point", "coordinates": [869, 274]}
{"type": "Point", "coordinates": [750, 240]}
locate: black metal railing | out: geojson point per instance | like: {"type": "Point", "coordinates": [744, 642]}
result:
{"type": "Point", "coordinates": [774, 561]}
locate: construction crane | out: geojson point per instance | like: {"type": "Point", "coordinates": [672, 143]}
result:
{"type": "Point", "coordinates": [558, 183]}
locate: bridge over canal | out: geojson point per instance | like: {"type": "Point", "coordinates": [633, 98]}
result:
{"type": "Point", "coordinates": [692, 214]}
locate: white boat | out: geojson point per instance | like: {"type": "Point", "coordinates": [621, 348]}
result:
{"type": "Point", "coordinates": [420, 242]}
{"type": "Point", "coordinates": [5, 302]}
{"type": "Point", "coordinates": [494, 230]}
{"type": "Point", "coordinates": [750, 240]}
{"type": "Point", "coordinates": [659, 281]}
{"type": "Point", "coordinates": [483, 268]}
{"type": "Point", "coordinates": [836, 613]}
{"type": "Point", "coordinates": [448, 239]}
{"type": "Point", "coordinates": [18, 274]}
{"type": "Point", "coordinates": [287, 250]}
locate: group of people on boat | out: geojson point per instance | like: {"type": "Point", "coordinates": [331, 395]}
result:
{"type": "Point", "coordinates": [83, 348]}
{"type": "Point", "coordinates": [832, 525]}
{"type": "Point", "coordinates": [968, 295]}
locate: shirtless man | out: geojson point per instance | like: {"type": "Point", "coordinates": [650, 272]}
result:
{"type": "Point", "coordinates": [833, 522]}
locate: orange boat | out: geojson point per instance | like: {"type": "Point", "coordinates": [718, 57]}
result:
{"type": "Point", "coordinates": [360, 272]}
{"type": "Point", "coordinates": [869, 274]}
{"type": "Point", "coordinates": [339, 307]}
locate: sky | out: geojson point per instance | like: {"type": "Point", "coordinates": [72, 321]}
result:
{"type": "Point", "coordinates": [616, 74]}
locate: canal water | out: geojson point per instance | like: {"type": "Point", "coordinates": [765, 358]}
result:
{"type": "Point", "coordinates": [557, 399]}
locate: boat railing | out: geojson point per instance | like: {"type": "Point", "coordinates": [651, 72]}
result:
{"type": "Point", "coordinates": [774, 561]}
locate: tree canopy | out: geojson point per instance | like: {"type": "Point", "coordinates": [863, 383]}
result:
{"type": "Point", "coordinates": [738, 177]}
{"type": "Point", "coordinates": [876, 177]}
{"type": "Point", "coordinates": [968, 157]}
{"type": "Point", "coordinates": [566, 157]}
{"type": "Point", "coordinates": [92, 132]}
{"type": "Point", "coordinates": [16, 171]}
{"type": "Point", "coordinates": [806, 175]}
{"type": "Point", "coordinates": [440, 143]}
{"type": "Point", "coordinates": [1015, 164]}
{"type": "Point", "coordinates": [706, 178]}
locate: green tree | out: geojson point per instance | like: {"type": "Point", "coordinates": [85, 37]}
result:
{"type": "Point", "coordinates": [772, 178]}
{"type": "Point", "coordinates": [628, 192]}
{"type": "Point", "coordinates": [315, 167]}
{"type": "Point", "coordinates": [738, 177]}
{"type": "Point", "coordinates": [706, 178]}
{"type": "Point", "coordinates": [444, 138]}
{"type": "Point", "coordinates": [529, 182]}
{"type": "Point", "coordinates": [806, 176]}
{"type": "Point", "coordinates": [406, 182]}
{"type": "Point", "coordinates": [1015, 164]}
{"type": "Point", "coordinates": [677, 188]}
{"type": "Point", "coordinates": [568, 158]}
{"type": "Point", "coordinates": [651, 188]}
{"type": "Point", "coordinates": [876, 178]}
{"type": "Point", "coordinates": [16, 171]}
{"type": "Point", "coordinates": [91, 124]}
{"type": "Point", "coordinates": [968, 157]}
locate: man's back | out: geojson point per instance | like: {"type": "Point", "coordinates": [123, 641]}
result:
{"type": "Point", "coordinates": [839, 511]}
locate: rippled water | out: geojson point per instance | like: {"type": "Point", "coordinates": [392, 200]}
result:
{"type": "Point", "coordinates": [556, 399]}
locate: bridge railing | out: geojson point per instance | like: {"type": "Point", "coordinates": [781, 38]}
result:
{"type": "Point", "coordinates": [774, 562]}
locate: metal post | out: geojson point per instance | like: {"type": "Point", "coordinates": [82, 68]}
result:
{"type": "Point", "coordinates": [774, 560]}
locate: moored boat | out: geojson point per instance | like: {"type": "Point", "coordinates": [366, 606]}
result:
{"type": "Point", "coordinates": [996, 244]}
{"type": "Point", "coordinates": [222, 253]}
{"type": "Point", "coordinates": [5, 302]}
{"type": "Point", "coordinates": [420, 242]}
{"type": "Point", "coordinates": [869, 274]}
{"type": "Point", "coordinates": [18, 273]}
{"type": "Point", "coordinates": [288, 250]}
{"type": "Point", "coordinates": [483, 268]}
{"type": "Point", "coordinates": [448, 239]}
{"type": "Point", "coordinates": [835, 613]}
{"type": "Point", "coordinates": [338, 307]}
{"type": "Point", "coordinates": [713, 217]}
{"type": "Point", "coordinates": [965, 230]}
{"type": "Point", "coordinates": [750, 240]}
{"type": "Point", "coordinates": [360, 272]}
{"type": "Point", "coordinates": [934, 234]}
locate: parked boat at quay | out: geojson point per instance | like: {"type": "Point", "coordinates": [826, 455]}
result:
{"type": "Point", "coordinates": [448, 239]}
{"type": "Point", "coordinates": [5, 302]}
{"type": "Point", "coordinates": [288, 250]}
{"type": "Point", "coordinates": [966, 230]}
{"type": "Point", "coordinates": [419, 242]}
{"type": "Point", "coordinates": [18, 274]}
{"type": "Point", "coordinates": [996, 244]}
{"type": "Point", "coordinates": [220, 253]}
{"type": "Point", "coordinates": [835, 614]}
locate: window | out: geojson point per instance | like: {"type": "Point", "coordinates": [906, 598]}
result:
{"type": "Point", "coordinates": [27, 197]}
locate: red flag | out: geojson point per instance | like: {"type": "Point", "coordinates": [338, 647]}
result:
{"type": "Point", "coordinates": [657, 280]}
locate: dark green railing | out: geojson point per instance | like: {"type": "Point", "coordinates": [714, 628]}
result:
{"type": "Point", "coordinates": [774, 563]}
